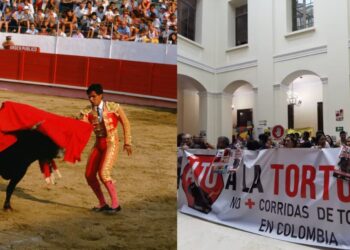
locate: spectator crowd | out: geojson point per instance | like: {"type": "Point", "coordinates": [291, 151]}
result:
{"type": "Point", "coordinates": [152, 21]}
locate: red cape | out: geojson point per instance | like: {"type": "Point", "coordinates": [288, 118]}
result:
{"type": "Point", "coordinates": [67, 133]}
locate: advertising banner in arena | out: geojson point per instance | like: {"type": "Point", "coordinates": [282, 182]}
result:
{"type": "Point", "coordinates": [287, 194]}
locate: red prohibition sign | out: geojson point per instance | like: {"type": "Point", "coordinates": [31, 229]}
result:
{"type": "Point", "coordinates": [277, 132]}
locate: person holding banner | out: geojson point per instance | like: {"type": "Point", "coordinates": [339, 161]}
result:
{"type": "Point", "coordinates": [269, 143]}
{"type": "Point", "coordinates": [305, 141]}
{"type": "Point", "coordinates": [290, 142]}
{"type": "Point", "coordinates": [186, 141]}
{"type": "Point", "coordinates": [342, 140]}
{"type": "Point", "coordinates": [104, 117]}
{"type": "Point", "coordinates": [321, 141]}
{"type": "Point", "coordinates": [223, 143]}
{"type": "Point", "coordinates": [330, 141]}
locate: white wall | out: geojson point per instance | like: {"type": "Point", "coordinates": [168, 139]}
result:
{"type": "Point", "coordinates": [309, 90]}
{"type": "Point", "coordinates": [287, 41]}
{"type": "Point", "coordinates": [141, 52]}
{"type": "Point", "coordinates": [243, 98]}
{"type": "Point", "coordinates": [203, 49]}
{"type": "Point", "coordinates": [337, 88]}
{"type": "Point", "coordinates": [272, 57]}
{"type": "Point", "coordinates": [226, 52]}
{"type": "Point", "coordinates": [191, 111]}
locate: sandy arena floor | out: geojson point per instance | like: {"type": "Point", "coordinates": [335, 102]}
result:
{"type": "Point", "coordinates": [60, 218]}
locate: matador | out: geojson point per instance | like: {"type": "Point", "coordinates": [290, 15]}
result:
{"type": "Point", "coordinates": [104, 117]}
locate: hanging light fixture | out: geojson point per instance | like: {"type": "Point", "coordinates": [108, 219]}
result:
{"type": "Point", "coordinates": [292, 97]}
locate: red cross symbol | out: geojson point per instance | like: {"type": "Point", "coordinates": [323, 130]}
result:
{"type": "Point", "coordinates": [250, 203]}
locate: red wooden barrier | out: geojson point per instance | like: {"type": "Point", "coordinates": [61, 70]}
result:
{"type": "Point", "coordinates": [71, 70]}
{"type": "Point", "coordinates": [164, 81]}
{"type": "Point", "coordinates": [9, 64]}
{"type": "Point", "coordinates": [106, 72]}
{"type": "Point", "coordinates": [117, 75]}
{"type": "Point", "coordinates": [38, 67]}
{"type": "Point", "coordinates": [136, 77]}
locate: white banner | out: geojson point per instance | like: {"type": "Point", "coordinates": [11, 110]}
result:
{"type": "Point", "coordinates": [287, 194]}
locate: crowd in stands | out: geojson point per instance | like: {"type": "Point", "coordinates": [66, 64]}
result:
{"type": "Point", "coordinates": [265, 141]}
{"type": "Point", "coordinates": [153, 21]}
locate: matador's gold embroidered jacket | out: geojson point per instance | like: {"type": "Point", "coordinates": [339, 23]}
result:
{"type": "Point", "coordinates": [112, 114]}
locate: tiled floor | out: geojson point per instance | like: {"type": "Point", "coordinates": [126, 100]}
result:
{"type": "Point", "coordinates": [194, 233]}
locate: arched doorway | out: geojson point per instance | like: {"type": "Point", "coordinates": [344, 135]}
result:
{"type": "Point", "coordinates": [304, 101]}
{"type": "Point", "coordinates": [189, 91]}
{"type": "Point", "coordinates": [242, 104]}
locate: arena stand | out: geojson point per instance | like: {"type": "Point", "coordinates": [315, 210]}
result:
{"type": "Point", "coordinates": [136, 73]}
{"type": "Point", "coordinates": [150, 21]}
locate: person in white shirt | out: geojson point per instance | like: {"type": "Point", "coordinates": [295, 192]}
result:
{"type": "Point", "coordinates": [77, 34]}
{"type": "Point", "coordinates": [61, 33]}
{"type": "Point", "coordinates": [30, 6]}
{"type": "Point", "coordinates": [109, 15]}
{"type": "Point", "coordinates": [89, 8]}
{"type": "Point", "coordinates": [164, 36]}
{"type": "Point", "coordinates": [51, 19]}
{"type": "Point", "coordinates": [100, 12]}
{"type": "Point", "coordinates": [32, 30]}
{"type": "Point", "coordinates": [125, 17]}
{"type": "Point", "coordinates": [103, 3]}
{"type": "Point", "coordinates": [93, 24]}
{"type": "Point", "coordinates": [342, 140]}
{"type": "Point", "coordinates": [155, 21]}
{"type": "Point", "coordinates": [172, 22]}
{"type": "Point", "coordinates": [321, 141]}
{"type": "Point", "coordinates": [125, 4]}
{"type": "Point", "coordinates": [80, 11]}
{"type": "Point", "coordinates": [17, 17]}
{"type": "Point", "coordinates": [164, 13]}
{"type": "Point", "coordinates": [39, 18]}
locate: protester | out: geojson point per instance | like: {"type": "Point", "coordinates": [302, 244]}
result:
{"type": "Point", "coordinates": [186, 141]}
{"type": "Point", "coordinates": [291, 140]}
{"type": "Point", "coordinates": [330, 141]}
{"type": "Point", "coordinates": [321, 141]}
{"type": "Point", "coordinates": [342, 140]}
{"type": "Point", "coordinates": [305, 140]}
{"type": "Point", "coordinates": [223, 143]}
{"type": "Point", "coordinates": [179, 139]}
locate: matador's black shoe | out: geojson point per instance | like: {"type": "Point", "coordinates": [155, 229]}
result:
{"type": "Point", "coordinates": [112, 210]}
{"type": "Point", "coordinates": [101, 209]}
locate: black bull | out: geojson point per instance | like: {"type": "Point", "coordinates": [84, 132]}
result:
{"type": "Point", "coordinates": [30, 146]}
